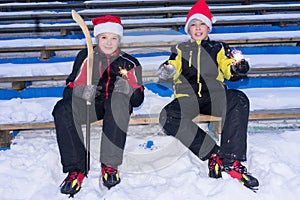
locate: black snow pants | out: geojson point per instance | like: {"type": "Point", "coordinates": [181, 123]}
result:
{"type": "Point", "coordinates": [176, 119]}
{"type": "Point", "coordinates": [70, 113]}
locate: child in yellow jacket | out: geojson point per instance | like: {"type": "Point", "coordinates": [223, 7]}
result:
{"type": "Point", "coordinates": [198, 68]}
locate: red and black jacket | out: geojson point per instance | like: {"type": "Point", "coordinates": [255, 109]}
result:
{"type": "Point", "coordinates": [105, 71]}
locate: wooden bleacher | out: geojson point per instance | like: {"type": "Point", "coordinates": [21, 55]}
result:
{"type": "Point", "coordinates": [247, 12]}
{"type": "Point", "coordinates": [46, 48]}
{"type": "Point", "coordinates": [169, 11]}
{"type": "Point", "coordinates": [59, 5]}
{"type": "Point", "coordinates": [131, 9]}
{"type": "Point", "coordinates": [174, 12]}
{"type": "Point", "coordinates": [258, 115]}
{"type": "Point", "coordinates": [292, 113]}
{"type": "Point", "coordinates": [31, 4]}
{"type": "Point", "coordinates": [175, 17]}
{"type": "Point", "coordinates": [18, 83]}
{"type": "Point", "coordinates": [175, 23]}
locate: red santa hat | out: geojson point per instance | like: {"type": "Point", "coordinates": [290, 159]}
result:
{"type": "Point", "coordinates": [107, 24]}
{"type": "Point", "coordinates": [199, 11]}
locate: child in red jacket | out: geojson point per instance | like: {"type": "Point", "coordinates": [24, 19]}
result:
{"type": "Point", "coordinates": [116, 88]}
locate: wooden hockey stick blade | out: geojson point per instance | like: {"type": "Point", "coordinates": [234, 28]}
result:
{"type": "Point", "coordinates": [89, 43]}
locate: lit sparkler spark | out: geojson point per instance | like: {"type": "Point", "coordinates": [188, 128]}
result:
{"type": "Point", "coordinates": [237, 55]}
{"type": "Point", "coordinates": [123, 72]}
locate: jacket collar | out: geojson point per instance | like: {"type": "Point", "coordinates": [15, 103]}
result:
{"type": "Point", "coordinates": [199, 41]}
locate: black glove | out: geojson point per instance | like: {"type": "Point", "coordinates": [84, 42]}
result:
{"type": "Point", "coordinates": [240, 68]}
{"type": "Point", "coordinates": [122, 86]}
{"type": "Point", "coordinates": [165, 71]}
{"type": "Point", "coordinates": [87, 92]}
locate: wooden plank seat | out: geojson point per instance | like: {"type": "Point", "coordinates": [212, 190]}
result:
{"type": "Point", "coordinates": [17, 22]}
{"type": "Point", "coordinates": [274, 72]}
{"type": "Point", "coordinates": [292, 113]}
{"type": "Point", "coordinates": [47, 51]}
{"type": "Point", "coordinates": [33, 78]}
{"type": "Point", "coordinates": [148, 11]}
{"type": "Point", "coordinates": [59, 5]}
{"type": "Point", "coordinates": [33, 6]}
{"type": "Point", "coordinates": [92, 4]}
{"type": "Point", "coordinates": [46, 47]}
{"type": "Point", "coordinates": [152, 2]}
{"type": "Point", "coordinates": [7, 129]}
{"type": "Point", "coordinates": [52, 77]}
{"type": "Point", "coordinates": [253, 73]}
{"type": "Point", "coordinates": [134, 120]}
{"type": "Point", "coordinates": [258, 115]}
{"type": "Point", "coordinates": [19, 82]}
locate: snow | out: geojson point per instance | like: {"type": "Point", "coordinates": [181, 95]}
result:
{"type": "Point", "coordinates": [31, 168]}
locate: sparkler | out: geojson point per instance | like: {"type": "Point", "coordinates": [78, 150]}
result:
{"type": "Point", "coordinates": [237, 56]}
{"type": "Point", "coordinates": [123, 72]}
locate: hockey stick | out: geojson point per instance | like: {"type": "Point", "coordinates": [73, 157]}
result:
{"type": "Point", "coordinates": [90, 57]}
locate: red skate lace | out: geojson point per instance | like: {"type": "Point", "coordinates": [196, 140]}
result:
{"type": "Point", "coordinates": [71, 176]}
{"type": "Point", "coordinates": [109, 170]}
{"type": "Point", "coordinates": [238, 167]}
{"type": "Point", "coordinates": [213, 160]}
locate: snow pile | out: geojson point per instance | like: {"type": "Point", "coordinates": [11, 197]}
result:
{"type": "Point", "coordinates": [31, 170]}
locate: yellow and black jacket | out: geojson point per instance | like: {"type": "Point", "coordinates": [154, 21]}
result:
{"type": "Point", "coordinates": [201, 67]}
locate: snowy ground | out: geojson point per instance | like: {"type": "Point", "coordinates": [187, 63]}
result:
{"type": "Point", "coordinates": [32, 170]}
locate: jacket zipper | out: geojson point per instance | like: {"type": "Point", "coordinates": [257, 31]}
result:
{"type": "Point", "coordinates": [190, 60]}
{"type": "Point", "coordinates": [108, 77]}
{"type": "Point", "coordinates": [198, 70]}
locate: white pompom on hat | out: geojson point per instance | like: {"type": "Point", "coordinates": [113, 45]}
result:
{"type": "Point", "coordinates": [199, 11]}
{"type": "Point", "coordinates": [107, 24]}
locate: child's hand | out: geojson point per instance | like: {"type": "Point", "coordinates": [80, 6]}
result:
{"type": "Point", "coordinates": [87, 92]}
{"type": "Point", "coordinates": [241, 67]}
{"type": "Point", "coordinates": [166, 71]}
{"type": "Point", "coordinates": [122, 86]}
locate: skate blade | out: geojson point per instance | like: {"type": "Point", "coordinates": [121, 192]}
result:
{"type": "Point", "coordinates": [253, 189]}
